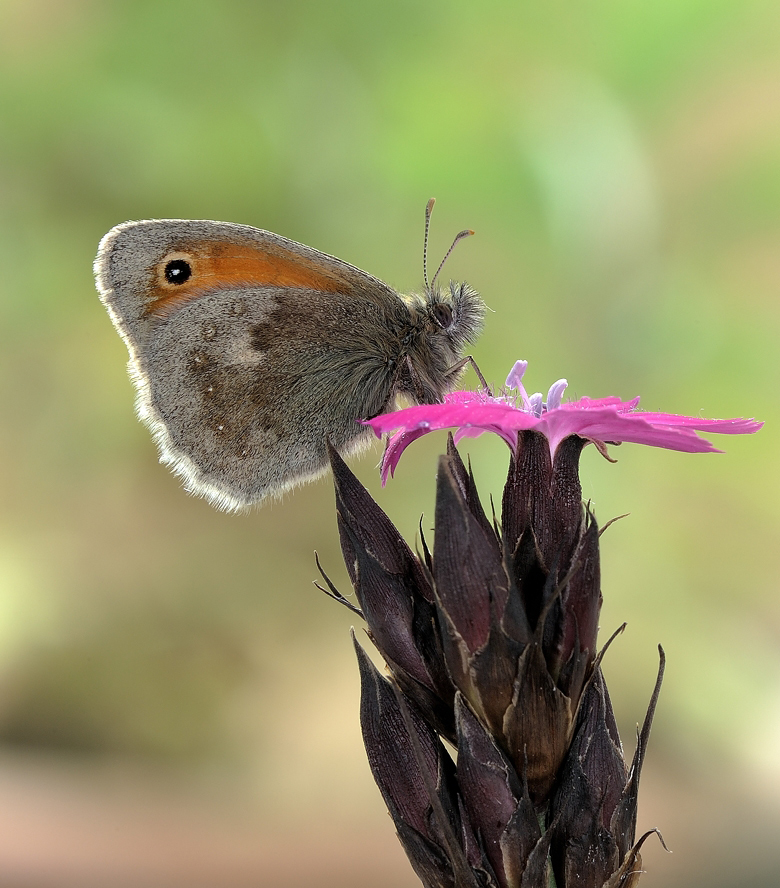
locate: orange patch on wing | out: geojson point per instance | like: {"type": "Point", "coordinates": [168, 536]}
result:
{"type": "Point", "coordinates": [216, 266]}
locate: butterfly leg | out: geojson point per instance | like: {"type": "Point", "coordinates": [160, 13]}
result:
{"type": "Point", "coordinates": [455, 369]}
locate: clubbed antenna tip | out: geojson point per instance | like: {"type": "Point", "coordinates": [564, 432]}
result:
{"type": "Point", "coordinates": [467, 232]}
{"type": "Point", "coordinates": [428, 211]}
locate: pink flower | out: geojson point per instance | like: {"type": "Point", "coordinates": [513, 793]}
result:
{"type": "Point", "coordinates": [602, 421]}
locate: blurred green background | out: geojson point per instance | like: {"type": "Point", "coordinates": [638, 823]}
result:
{"type": "Point", "coordinates": [178, 704]}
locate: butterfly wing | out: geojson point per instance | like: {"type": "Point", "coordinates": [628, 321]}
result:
{"type": "Point", "coordinates": [247, 350]}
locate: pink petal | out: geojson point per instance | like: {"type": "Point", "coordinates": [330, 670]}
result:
{"type": "Point", "coordinates": [395, 447]}
{"type": "Point", "coordinates": [601, 419]}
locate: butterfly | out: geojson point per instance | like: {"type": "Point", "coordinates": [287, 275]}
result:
{"type": "Point", "coordinates": [249, 351]}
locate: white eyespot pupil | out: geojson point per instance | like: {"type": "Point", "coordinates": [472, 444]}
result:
{"type": "Point", "coordinates": [178, 271]}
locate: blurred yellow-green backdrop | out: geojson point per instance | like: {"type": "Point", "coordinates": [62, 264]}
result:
{"type": "Point", "coordinates": [178, 703]}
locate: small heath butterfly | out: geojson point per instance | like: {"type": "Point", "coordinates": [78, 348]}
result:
{"type": "Point", "coordinates": [249, 351]}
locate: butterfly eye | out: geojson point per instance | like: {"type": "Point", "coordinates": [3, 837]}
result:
{"type": "Point", "coordinates": [178, 271]}
{"type": "Point", "coordinates": [443, 315]}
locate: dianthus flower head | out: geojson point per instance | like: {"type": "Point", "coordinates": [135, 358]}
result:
{"type": "Point", "coordinates": [490, 641]}
{"type": "Point", "coordinates": [602, 421]}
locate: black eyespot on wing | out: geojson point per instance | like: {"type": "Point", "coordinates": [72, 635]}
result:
{"type": "Point", "coordinates": [442, 314]}
{"type": "Point", "coordinates": [178, 271]}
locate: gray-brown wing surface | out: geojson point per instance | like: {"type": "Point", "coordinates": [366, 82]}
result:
{"type": "Point", "coordinates": [247, 350]}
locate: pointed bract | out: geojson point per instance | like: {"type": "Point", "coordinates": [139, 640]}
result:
{"type": "Point", "coordinates": [395, 595]}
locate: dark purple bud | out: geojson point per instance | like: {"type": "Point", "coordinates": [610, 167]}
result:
{"type": "Point", "coordinates": [471, 584]}
{"type": "Point", "coordinates": [395, 595]}
{"type": "Point", "coordinates": [357, 510]}
{"type": "Point", "coordinates": [499, 808]}
{"type": "Point", "coordinates": [472, 593]}
{"type": "Point", "coordinates": [396, 764]}
{"type": "Point", "coordinates": [544, 496]}
{"type": "Point", "coordinates": [387, 602]}
{"type": "Point", "coordinates": [416, 777]}
{"type": "Point", "coordinates": [584, 853]}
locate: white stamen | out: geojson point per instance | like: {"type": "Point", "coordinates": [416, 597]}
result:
{"type": "Point", "coordinates": [555, 394]}
{"type": "Point", "coordinates": [515, 378]}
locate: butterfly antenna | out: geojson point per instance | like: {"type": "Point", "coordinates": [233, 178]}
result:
{"type": "Point", "coordinates": [428, 211]}
{"type": "Point", "coordinates": [459, 236]}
